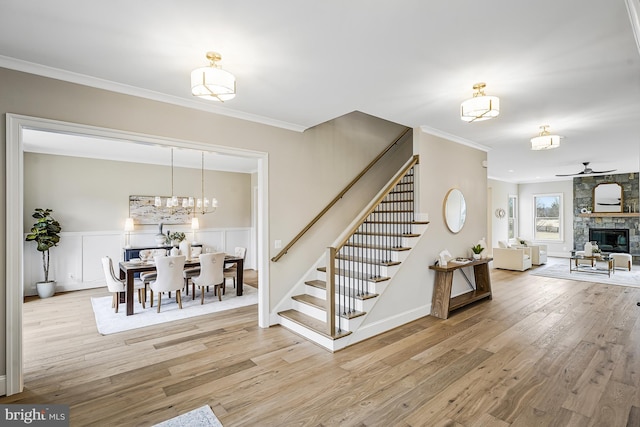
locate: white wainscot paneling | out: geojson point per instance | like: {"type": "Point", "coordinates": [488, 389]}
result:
{"type": "Point", "coordinates": [65, 263]}
{"type": "Point", "coordinates": [94, 248]}
{"type": "Point", "coordinates": [75, 262]}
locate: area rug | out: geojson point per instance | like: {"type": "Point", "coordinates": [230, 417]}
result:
{"type": "Point", "coordinates": [561, 271]}
{"type": "Point", "coordinates": [109, 322]}
{"type": "Point", "coordinates": [201, 417]}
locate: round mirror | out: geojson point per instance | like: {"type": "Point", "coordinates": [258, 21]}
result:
{"type": "Point", "coordinates": [455, 210]}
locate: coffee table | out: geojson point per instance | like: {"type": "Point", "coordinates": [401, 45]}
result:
{"type": "Point", "coordinates": [600, 264]}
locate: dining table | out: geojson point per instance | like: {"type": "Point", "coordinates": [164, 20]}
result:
{"type": "Point", "coordinates": [130, 269]}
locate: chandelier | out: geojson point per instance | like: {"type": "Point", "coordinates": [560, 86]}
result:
{"type": "Point", "coordinates": [545, 141]}
{"type": "Point", "coordinates": [480, 107]}
{"type": "Point", "coordinates": [173, 201]}
{"type": "Point", "coordinates": [204, 205]}
{"type": "Point", "coordinates": [212, 82]}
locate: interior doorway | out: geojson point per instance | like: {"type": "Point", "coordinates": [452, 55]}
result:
{"type": "Point", "coordinates": [16, 125]}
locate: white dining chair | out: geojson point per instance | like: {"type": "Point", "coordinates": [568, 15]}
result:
{"type": "Point", "coordinates": [169, 269]}
{"type": "Point", "coordinates": [116, 285]}
{"type": "Point", "coordinates": [147, 255]}
{"type": "Point", "coordinates": [211, 274]}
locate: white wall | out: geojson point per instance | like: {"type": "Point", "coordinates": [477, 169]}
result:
{"type": "Point", "coordinates": [527, 212]}
{"type": "Point", "coordinates": [500, 192]}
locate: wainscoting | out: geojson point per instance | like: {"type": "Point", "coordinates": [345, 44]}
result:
{"type": "Point", "coordinates": [75, 262]}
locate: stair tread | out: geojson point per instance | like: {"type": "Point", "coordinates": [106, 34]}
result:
{"type": "Point", "coordinates": [312, 323]}
{"type": "Point", "coordinates": [395, 222]}
{"type": "Point", "coordinates": [311, 300]}
{"type": "Point", "coordinates": [356, 275]}
{"type": "Point", "coordinates": [368, 260]}
{"type": "Point", "coordinates": [384, 248]}
{"type": "Point", "coordinates": [372, 233]}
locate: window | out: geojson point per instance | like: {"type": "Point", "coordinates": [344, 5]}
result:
{"type": "Point", "coordinates": [548, 217]}
{"type": "Point", "coordinates": [513, 217]}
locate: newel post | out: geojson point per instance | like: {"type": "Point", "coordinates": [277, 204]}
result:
{"type": "Point", "coordinates": [331, 291]}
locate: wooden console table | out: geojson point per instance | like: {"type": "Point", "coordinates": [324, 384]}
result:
{"type": "Point", "coordinates": [442, 304]}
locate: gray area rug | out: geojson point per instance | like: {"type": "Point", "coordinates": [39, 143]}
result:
{"type": "Point", "coordinates": [561, 271]}
{"type": "Point", "coordinates": [201, 417]}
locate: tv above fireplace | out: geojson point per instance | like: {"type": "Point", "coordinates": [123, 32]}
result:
{"type": "Point", "coordinates": [610, 239]}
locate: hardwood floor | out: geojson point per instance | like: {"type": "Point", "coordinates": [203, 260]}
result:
{"type": "Point", "coordinates": [543, 352]}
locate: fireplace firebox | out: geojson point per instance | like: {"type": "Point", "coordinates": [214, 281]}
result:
{"type": "Point", "coordinates": [610, 239]}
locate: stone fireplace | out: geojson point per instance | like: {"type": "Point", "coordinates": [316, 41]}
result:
{"type": "Point", "coordinates": [607, 225]}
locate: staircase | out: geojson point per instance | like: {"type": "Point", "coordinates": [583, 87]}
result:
{"type": "Point", "coordinates": [353, 274]}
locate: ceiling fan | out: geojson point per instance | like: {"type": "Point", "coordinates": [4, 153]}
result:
{"type": "Point", "coordinates": [587, 171]}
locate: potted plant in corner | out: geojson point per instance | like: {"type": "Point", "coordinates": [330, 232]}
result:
{"type": "Point", "coordinates": [477, 250]}
{"type": "Point", "coordinates": [45, 233]}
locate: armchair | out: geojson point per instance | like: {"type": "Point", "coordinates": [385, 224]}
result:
{"type": "Point", "coordinates": [538, 253]}
{"type": "Point", "coordinates": [512, 258]}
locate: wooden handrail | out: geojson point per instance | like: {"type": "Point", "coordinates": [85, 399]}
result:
{"type": "Point", "coordinates": [338, 197]}
{"type": "Point", "coordinates": [348, 233]}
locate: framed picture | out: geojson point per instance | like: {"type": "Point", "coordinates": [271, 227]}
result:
{"type": "Point", "coordinates": [144, 211]}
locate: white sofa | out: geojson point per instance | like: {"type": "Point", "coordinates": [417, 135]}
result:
{"type": "Point", "coordinates": [518, 259]}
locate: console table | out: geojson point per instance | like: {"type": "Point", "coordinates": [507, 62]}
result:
{"type": "Point", "coordinates": [442, 304]}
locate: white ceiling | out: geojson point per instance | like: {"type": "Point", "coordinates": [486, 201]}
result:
{"type": "Point", "coordinates": [568, 64]}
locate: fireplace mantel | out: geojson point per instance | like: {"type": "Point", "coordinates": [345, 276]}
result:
{"type": "Point", "coordinates": [609, 214]}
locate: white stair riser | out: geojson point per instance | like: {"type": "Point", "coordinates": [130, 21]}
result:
{"type": "Point", "coordinates": [373, 253]}
{"type": "Point", "coordinates": [373, 288]}
{"type": "Point", "coordinates": [380, 226]}
{"type": "Point", "coordinates": [309, 310]}
{"type": "Point", "coordinates": [368, 269]}
{"type": "Point", "coordinates": [317, 313]}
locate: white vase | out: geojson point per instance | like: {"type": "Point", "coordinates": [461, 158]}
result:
{"type": "Point", "coordinates": [476, 256]}
{"type": "Point", "coordinates": [46, 289]}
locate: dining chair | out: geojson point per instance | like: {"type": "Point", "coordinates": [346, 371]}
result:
{"type": "Point", "coordinates": [169, 278]}
{"type": "Point", "coordinates": [211, 274]}
{"type": "Point", "coordinates": [116, 285]}
{"type": "Point", "coordinates": [232, 270]}
{"type": "Point", "coordinates": [149, 276]}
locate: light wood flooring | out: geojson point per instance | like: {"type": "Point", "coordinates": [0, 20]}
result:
{"type": "Point", "coordinates": [543, 352]}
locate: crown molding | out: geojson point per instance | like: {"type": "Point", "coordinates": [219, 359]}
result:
{"type": "Point", "coordinates": [454, 138]}
{"type": "Point", "coordinates": [82, 79]}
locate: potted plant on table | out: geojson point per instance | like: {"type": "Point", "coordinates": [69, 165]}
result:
{"type": "Point", "coordinates": [477, 250]}
{"type": "Point", "coordinates": [45, 233]}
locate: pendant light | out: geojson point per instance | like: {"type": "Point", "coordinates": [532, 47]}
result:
{"type": "Point", "coordinates": [203, 204]}
{"type": "Point", "coordinates": [480, 107]}
{"type": "Point", "coordinates": [212, 82]}
{"type": "Point", "coordinates": [545, 141]}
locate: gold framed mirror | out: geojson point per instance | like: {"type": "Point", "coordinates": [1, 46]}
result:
{"type": "Point", "coordinates": [455, 210]}
{"type": "Point", "coordinates": [608, 197]}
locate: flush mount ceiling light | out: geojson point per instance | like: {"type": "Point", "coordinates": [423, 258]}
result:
{"type": "Point", "coordinates": [480, 107]}
{"type": "Point", "coordinates": [212, 82]}
{"type": "Point", "coordinates": [545, 141]}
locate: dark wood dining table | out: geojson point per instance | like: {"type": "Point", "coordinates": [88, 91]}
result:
{"type": "Point", "coordinates": [128, 270]}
